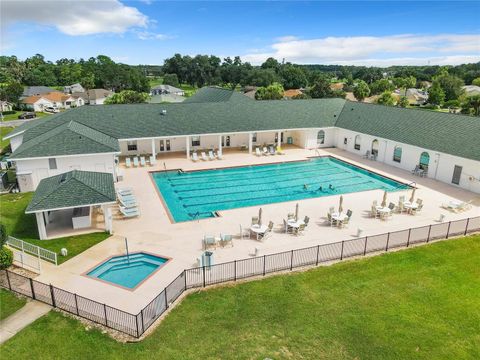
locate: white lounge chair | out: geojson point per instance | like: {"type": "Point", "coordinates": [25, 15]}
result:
{"type": "Point", "coordinates": [204, 156]}
{"type": "Point", "coordinates": [210, 155]}
{"type": "Point", "coordinates": [153, 160]}
{"type": "Point", "coordinates": [125, 191]}
{"type": "Point", "coordinates": [135, 161]}
{"type": "Point", "coordinates": [219, 155]}
{"type": "Point", "coordinates": [194, 157]}
{"type": "Point", "coordinates": [128, 162]}
{"type": "Point", "coordinates": [265, 151]}
{"type": "Point", "coordinates": [127, 203]}
{"type": "Point", "coordinates": [129, 212]}
{"type": "Point", "coordinates": [272, 150]}
{"type": "Point", "coordinates": [142, 161]}
{"type": "Point", "coordinates": [257, 152]}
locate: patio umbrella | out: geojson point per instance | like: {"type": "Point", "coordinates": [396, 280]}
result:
{"type": "Point", "coordinates": [340, 207]}
{"type": "Point", "coordinates": [413, 195]}
{"type": "Point", "coordinates": [260, 217]}
{"type": "Point", "coordinates": [384, 201]}
{"type": "Point", "coordinates": [296, 212]}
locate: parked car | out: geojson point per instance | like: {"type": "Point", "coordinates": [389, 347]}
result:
{"type": "Point", "coordinates": [27, 115]}
{"type": "Point", "coordinates": [51, 109]}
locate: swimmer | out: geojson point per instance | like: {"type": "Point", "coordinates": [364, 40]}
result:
{"type": "Point", "coordinates": [305, 186]}
{"type": "Point", "coordinates": [331, 187]}
{"type": "Point", "coordinates": [320, 188]}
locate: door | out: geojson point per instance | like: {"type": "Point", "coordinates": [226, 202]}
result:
{"type": "Point", "coordinates": [162, 145]}
{"type": "Point", "coordinates": [226, 141]}
{"type": "Point", "coordinates": [167, 145]}
{"type": "Point", "coordinates": [457, 173]}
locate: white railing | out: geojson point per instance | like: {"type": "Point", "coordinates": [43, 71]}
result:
{"type": "Point", "coordinates": [26, 261]}
{"type": "Point", "coordinates": [34, 250]}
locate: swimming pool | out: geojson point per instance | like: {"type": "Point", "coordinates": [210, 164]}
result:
{"type": "Point", "coordinates": [199, 194]}
{"type": "Point", "coordinates": [128, 271]}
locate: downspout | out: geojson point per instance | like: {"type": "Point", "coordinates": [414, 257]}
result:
{"type": "Point", "coordinates": [436, 166]}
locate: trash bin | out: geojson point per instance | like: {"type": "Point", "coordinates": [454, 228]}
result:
{"type": "Point", "coordinates": [207, 258]}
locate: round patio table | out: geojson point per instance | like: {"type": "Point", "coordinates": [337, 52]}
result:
{"type": "Point", "coordinates": [258, 230]}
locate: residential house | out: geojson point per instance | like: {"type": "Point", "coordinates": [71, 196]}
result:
{"type": "Point", "coordinates": [416, 96]}
{"type": "Point", "coordinates": [94, 96]}
{"type": "Point", "coordinates": [166, 89]}
{"type": "Point", "coordinates": [288, 94]}
{"type": "Point", "coordinates": [37, 90]}
{"type": "Point", "coordinates": [53, 99]}
{"type": "Point", "coordinates": [6, 106]}
{"type": "Point", "coordinates": [471, 90]}
{"type": "Point", "coordinates": [75, 88]}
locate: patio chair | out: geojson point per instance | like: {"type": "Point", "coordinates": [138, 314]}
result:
{"type": "Point", "coordinates": [194, 157]}
{"type": "Point", "coordinates": [210, 155]}
{"type": "Point", "coordinates": [153, 160]}
{"type": "Point", "coordinates": [209, 241]}
{"type": "Point", "coordinates": [424, 172]}
{"type": "Point", "coordinates": [306, 220]}
{"type": "Point", "coordinates": [269, 230]}
{"type": "Point", "coordinates": [226, 239]}
{"type": "Point", "coordinates": [290, 216]}
{"type": "Point", "coordinates": [272, 150]}
{"type": "Point", "coordinates": [254, 220]}
{"type": "Point", "coordinates": [244, 232]}
{"type": "Point", "coordinates": [204, 156]}
{"type": "Point", "coordinates": [419, 201]}
{"type": "Point", "coordinates": [417, 210]}
{"type": "Point", "coordinates": [391, 206]}
{"type": "Point", "coordinates": [135, 161]}
{"type": "Point", "coordinates": [416, 171]}
{"type": "Point", "coordinates": [142, 161]}
{"type": "Point", "coordinates": [300, 229]}
{"type": "Point", "coordinates": [257, 152]}
{"type": "Point", "coordinates": [331, 221]}
{"type": "Point", "coordinates": [464, 206]}
{"type": "Point", "coordinates": [367, 154]}
{"type": "Point", "coordinates": [129, 212]}
{"type": "Point", "coordinates": [373, 211]}
{"type": "Point", "coordinates": [265, 151]}
{"type": "Point", "coordinates": [331, 210]}
{"type": "Point", "coordinates": [401, 205]}
{"type": "Point", "coordinates": [128, 162]}
{"type": "Point", "coordinates": [219, 155]}
{"type": "Point", "coordinates": [280, 151]}
{"type": "Point", "coordinates": [346, 221]}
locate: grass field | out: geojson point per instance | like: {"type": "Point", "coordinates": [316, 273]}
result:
{"type": "Point", "coordinates": [9, 303]}
{"type": "Point", "coordinates": [24, 227]}
{"type": "Point", "coordinates": [11, 117]}
{"type": "Point", "coordinates": [421, 303]}
{"type": "Point", "coordinates": [4, 131]}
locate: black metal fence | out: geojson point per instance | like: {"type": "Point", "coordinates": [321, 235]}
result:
{"type": "Point", "coordinates": [136, 325]}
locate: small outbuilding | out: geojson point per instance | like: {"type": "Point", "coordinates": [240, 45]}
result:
{"type": "Point", "coordinates": [72, 202]}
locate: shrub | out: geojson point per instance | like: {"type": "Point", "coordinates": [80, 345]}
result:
{"type": "Point", "coordinates": [6, 258]}
{"type": "Point", "coordinates": [8, 112]}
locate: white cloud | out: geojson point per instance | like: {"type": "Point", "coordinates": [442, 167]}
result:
{"type": "Point", "coordinates": [75, 17]}
{"type": "Point", "coordinates": [147, 35]}
{"type": "Point", "coordinates": [371, 50]}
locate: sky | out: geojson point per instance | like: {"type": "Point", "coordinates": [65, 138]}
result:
{"type": "Point", "coordinates": [373, 33]}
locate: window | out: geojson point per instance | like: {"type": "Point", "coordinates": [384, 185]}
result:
{"type": "Point", "coordinates": [424, 160]}
{"type": "Point", "coordinates": [321, 137]}
{"type": "Point", "coordinates": [397, 154]}
{"type": "Point", "coordinates": [52, 164]}
{"type": "Point", "coordinates": [195, 140]}
{"type": "Point", "coordinates": [358, 139]}
{"type": "Point", "coordinates": [375, 147]}
{"type": "Point", "coordinates": [254, 137]}
{"type": "Point", "coordinates": [132, 145]}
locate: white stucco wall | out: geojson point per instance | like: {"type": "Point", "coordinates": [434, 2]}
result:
{"type": "Point", "coordinates": [441, 165]}
{"type": "Point", "coordinates": [40, 167]}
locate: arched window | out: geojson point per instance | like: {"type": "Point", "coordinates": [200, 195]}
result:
{"type": "Point", "coordinates": [397, 154]}
{"type": "Point", "coordinates": [375, 147]}
{"type": "Point", "coordinates": [358, 139]}
{"type": "Point", "coordinates": [424, 160]}
{"type": "Point", "coordinates": [321, 137]}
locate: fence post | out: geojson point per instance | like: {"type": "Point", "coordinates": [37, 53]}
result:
{"type": "Point", "coordinates": [388, 240]}
{"type": "Point", "coordinates": [365, 248]}
{"type": "Point", "coordinates": [203, 275]}
{"type": "Point", "coordinates": [8, 280]}
{"type": "Point", "coordinates": [429, 230]}
{"type": "Point", "coordinates": [76, 303]}
{"type": "Point", "coordinates": [341, 254]}
{"type": "Point", "coordinates": [138, 331]}
{"type": "Point", "coordinates": [105, 313]}
{"type": "Point", "coordinates": [264, 263]}
{"type": "Point", "coordinates": [185, 277]}
{"type": "Point", "coordinates": [448, 229]}
{"type": "Point", "coordinates": [143, 322]}
{"type": "Point", "coordinates": [234, 270]}
{"type": "Point", "coordinates": [291, 260]}
{"type": "Point", "coordinates": [466, 227]}
{"type": "Point", "coordinates": [318, 254]}
{"type": "Point", "coordinates": [54, 304]}
{"type": "Point", "coordinates": [166, 301]}
{"type": "Point", "coordinates": [33, 290]}
{"type": "Point", "coordinates": [408, 240]}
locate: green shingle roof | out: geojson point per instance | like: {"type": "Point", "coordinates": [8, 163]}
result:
{"type": "Point", "coordinates": [73, 189]}
{"type": "Point", "coordinates": [66, 139]}
{"type": "Point", "coordinates": [448, 133]}
{"type": "Point", "coordinates": [216, 94]}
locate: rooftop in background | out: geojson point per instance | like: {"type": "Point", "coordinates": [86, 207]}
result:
{"type": "Point", "coordinates": [167, 89]}
{"type": "Point", "coordinates": [216, 94]}
{"type": "Point", "coordinates": [292, 92]}
{"type": "Point", "coordinates": [37, 90]}
{"type": "Point", "coordinates": [73, 189]}
{"type": "Point", "coordinates": [93, 94]}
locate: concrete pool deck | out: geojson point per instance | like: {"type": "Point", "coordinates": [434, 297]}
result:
{"type": "Point", "coordinates": [154, 232]}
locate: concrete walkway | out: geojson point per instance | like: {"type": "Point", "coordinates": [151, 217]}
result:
{"type": "Point", "coordinates": [22, 318]}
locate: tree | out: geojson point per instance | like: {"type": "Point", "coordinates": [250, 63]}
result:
{"type": "Point", "coordinates": [380, 86]}
{"type": "Point", "coordinates": [127, 97]}
{"type": "Point", "coordinates": [471, 105]}
{"type": "Point", "coordinates": [271, 63]}
{"type": "Point", "coordinates": [260, 77]}
{"type": "Point", "coordinates": [386, 98]}
{"type": "Point", "coordinates": [361, 90]}
{"type": "Point", "coordinates": [234, 71]}
{"type": "Point", "coordinates": [403, 102]}
{"type": "Point", "coordinates": [6, 255]}
{"type": "Point", "coordinates": [293, 77]}
{"type": "Point", "coordinates": [271, 92]}
{"type": "Point", "coordinates": [436, 95]}
{"type": "Point", "coordinates": [450, 84]}
{"type": "Point", "coordinates": [171, 79]}
{"type": "Point", "coordinates": [11, 92]}
{"type": "Point", "coordinates": [476, 81]}
{"type": "Point", "coordinates": [321, 89]}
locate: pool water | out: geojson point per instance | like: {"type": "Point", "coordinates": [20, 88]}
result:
{"type": "Point", "coordinates": [199, 194]}
{"type": "Point", "coordinates": [128, 271]}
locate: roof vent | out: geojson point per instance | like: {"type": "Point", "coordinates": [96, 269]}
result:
{"type": "Point", "coordinates": [163, 112]}
{"type": "Point", "coordinates": [63, 178]}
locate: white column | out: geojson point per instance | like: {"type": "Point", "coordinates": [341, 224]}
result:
{"type": "Point", "coordinates": [187, 146]}
{"type": "Point", "coordinates": [250, 143]}
{"type": "Point", "coordinates": [154, 153]}
{"type": "Point", "coordinates": [42, 231]}
{"type": "Point", "coordinates": [220, 144]}
{"type": "Point", "coordinates": [107, 215]}
{"type": "Point", "coordinates": [279, 138]}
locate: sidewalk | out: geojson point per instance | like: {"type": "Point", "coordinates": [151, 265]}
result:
{"type": "Point", "coordinates": [22, 318]}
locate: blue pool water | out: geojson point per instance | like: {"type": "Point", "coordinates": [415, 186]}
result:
{"type": "Point", "coordinates": [128, 271]}
{"type": "Point", "coordinates": [198, 194]}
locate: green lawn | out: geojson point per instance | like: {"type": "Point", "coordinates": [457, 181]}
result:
{"type": "Point", "coordinates": [421, 303]}
{"type": "Point", "coordinates": [4, 131]}
{"type": "Point", "coordinates": [24, 227]}
{"type": "Point", "coordinates": [9, 303]}
{"type": "Point", "coordinates": [11, 117]}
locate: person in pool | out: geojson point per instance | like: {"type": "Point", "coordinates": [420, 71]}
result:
{"type": "Point", "coordinates": [320, 188]}
{"type": "Point", "coordinates": [330, 186]}
{"type": "Point", "coordinates": [305, 186]}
